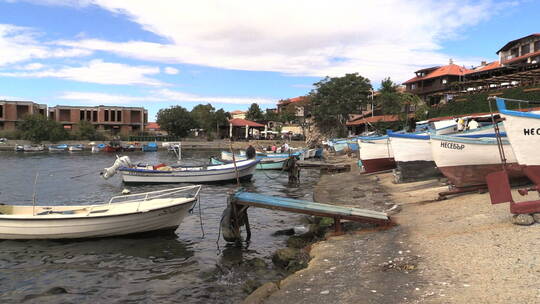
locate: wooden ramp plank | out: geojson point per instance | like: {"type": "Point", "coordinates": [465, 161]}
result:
{"type": "Point", "coordinates": [308, 207]}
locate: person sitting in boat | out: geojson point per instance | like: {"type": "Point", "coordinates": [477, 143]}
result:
{"type": "Point", "coordinates": [460, 125]}
{"type": "Point", "coordinates": [473, 124]}
{"type": "Point", "coordinates": [284, 148]}
{"type": "Point", "coordinates": [250, 152]}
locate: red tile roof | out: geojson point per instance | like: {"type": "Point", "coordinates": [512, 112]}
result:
{"type": "Point", "coordinates": [487, 67]}
{"type": "Point", "coordinates": [293, 100]}
{"type": "Point", "coordinates": [451, 69]}
{"type": "Point", "coordinates": [373, 119]}
{"type": "Point", "coordinates": [237, 112]}
{"type": "Point", "coordinates": [152, 125]}
{"type": "Point", "coordinates": [237, 122]}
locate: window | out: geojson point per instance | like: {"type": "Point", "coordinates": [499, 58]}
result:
{"type": "Point", "coordinates": [106, 115]}
{"type": "Point", "coordinates": [119, 116]}
{"type": "Point", "coordinates": [525, 49]}
{"type": "Point", "coordinates": [81, 115]}
{"type": "Point", "coordinates": [444, 81]}
{"type": "Point", "coordinates": [113, 115]}
{"type": "Point", "coordinates": [537, 46]}
{"type": "Point", "coordinates": [94, 116]}
{"type": "Point", "coordinates": [1, 111]}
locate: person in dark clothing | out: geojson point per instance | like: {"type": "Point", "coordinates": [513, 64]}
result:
{"type": "Point", "coordinates": [250, 152]}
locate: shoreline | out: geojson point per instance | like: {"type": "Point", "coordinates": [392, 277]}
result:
{"type": "Point", "coordinates": [459, 250]}
{"type": "Point", "coordinates": [337, 261]}
{"type": "Point", "coordinates": [186, 144]}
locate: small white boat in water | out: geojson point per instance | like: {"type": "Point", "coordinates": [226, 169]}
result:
{"type": "Point", "coordinates": [76, 148]}
{"type": "Point", "coordinates": [58, 148]}
{"type": "Point", "coordinates": [127, 214]}
{"type": "Point", "coordinates": [33, 148]}
{"type": "Point", "coordinates": [143, 173]}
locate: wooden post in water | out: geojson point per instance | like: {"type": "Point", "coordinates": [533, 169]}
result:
{"type": "Point", "coordinates": [34, 195]}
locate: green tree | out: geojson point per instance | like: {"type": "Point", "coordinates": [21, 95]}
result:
{"type": "Point", "coordinates": [288, 114]}
{"type": "Point", "coordinates": [204, 116]}
{"type": "Point", "coordinates": [271, 115]}
{"type": "Point", "coordinates": [334, 99]}
{"type": "Point", "coordinates": [392, 102]}
{"type": "Point", "coordinates": [221, 118]}
{"type": "Point", "coordinates": [176, 120]}
{"type": "Point", "coordinates": [254, 113]}
{"type": "Point", "coordinates": [38, 128]}
{"type": "Point", "coordinates": [87, 130]}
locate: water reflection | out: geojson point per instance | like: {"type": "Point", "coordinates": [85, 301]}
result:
{"type": "Point", "coordinates": [163, 268]}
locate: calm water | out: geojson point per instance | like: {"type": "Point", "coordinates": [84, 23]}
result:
{"type": "Point", "coordinates": [181, 267]}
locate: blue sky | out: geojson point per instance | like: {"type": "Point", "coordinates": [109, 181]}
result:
{"type": "Point", "coordinates": [167, 52]}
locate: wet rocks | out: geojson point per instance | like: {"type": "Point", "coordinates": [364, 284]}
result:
{"type": "Point", "coordinates": [536, 217]}
{"type": "Point", "coordinates": [300, 241]}
{"type": "Point", "coordinates": [292, 259]}
{"type": "Point", "coordinates": [256, 263]}
{"type": "Point", "coordinates": [284, 232]}
{"type": "Point", "coordinates": [250, 285]}
{"type": "Point", "coordinates": [523, 219]}
{"type": "Point", "coordinates": [261, 293]}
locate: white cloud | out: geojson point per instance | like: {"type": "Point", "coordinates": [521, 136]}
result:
{"type": "Point", "coordinates": [163, 95]}
{"type": "Point", "coordinates": [171, 71]}
{"type": "Point", "coordinates": [18, 44]}
{"type": "Point", "coordinates": [302, 37]}
{"type": "Point", "coordinates": [98, 71]}
{"type": "Point", "coordinates": [33, 66]}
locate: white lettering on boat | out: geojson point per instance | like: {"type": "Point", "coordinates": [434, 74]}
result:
{"type": "Point", "coordinates": [451, 145]}
{"type": "Point", "coordinates": [531, 131]}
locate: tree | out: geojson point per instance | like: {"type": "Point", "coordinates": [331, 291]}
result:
{"type": "Point", "coordinates": [38, 128]}
{"type": "Point", "coordinates": [271, 115]}
{"type": "Point", "coordinates": [254, 113]}
{"type": "Point", "coordinates": [221, 118]}
{"type": "Point", "coordinates": [204, 116]}
{"type": "Point", "coordinates": [87, 130]}
{"type": "Point", "coordinates": [334, 99]}
{"type": "Point", "coordinates": [176, 120]}
{"type": "Point", "coordinates": [287, 114]}
{"type": "Point", "coordinates": [392, 102]}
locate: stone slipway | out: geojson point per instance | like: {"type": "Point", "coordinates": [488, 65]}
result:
{"type": "Point", "coordinates": [461, 250]}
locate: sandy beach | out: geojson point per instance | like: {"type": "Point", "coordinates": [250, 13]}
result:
{"type": "Point", "coordinates": [460, 250]}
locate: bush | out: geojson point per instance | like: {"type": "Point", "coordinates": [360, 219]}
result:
{"type": "Point", "coordinates": [477, 103]}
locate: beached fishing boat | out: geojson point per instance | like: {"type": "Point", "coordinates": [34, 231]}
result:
{"type": "Point", "coordinates": [76, 148]}
{"type": "Point", "coordinates": [523, 131]}
{"type": "Point", "coordinates": [413, 157]}
{"type": "Point", "coordinates": [467, 161]}
{"type": "Point", "coordinates": [162, 173]}
{"type": "Point", "coordinates": [122, 215]}
{"type": "Point", "coordinates": [376, 153]}
{"type": "Point", "coordinates": [19, 148]}
{"type": "Point", "coordinates": [150, 147]}
{"type": "Point", "coordinates": [58, 148]}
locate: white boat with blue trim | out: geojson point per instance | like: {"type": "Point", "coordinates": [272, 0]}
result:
{"type": "Point", "coordinates": [144, 173]}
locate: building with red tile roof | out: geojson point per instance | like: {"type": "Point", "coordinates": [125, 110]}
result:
{"type": "Point", "coordinates": [434, 80]}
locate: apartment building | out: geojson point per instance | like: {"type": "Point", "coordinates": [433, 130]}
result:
{"type": "Point", "coordinates": [123, 120]}
{"type": "Point", "coordinates": [12, 112]}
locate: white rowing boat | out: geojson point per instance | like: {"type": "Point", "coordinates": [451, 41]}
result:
{"type": "Point", "coordinates": [128, 214]}
{"type": "Point", "coordinates": [180, 174]}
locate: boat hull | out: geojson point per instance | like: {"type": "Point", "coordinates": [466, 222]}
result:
{"type": "Point", "coordinates": [208, 176]}
{"type": "Point", "coordinates": [378, 164]}
{"type": "Point", "coordinates": [167, 218]}
{"type": "Point", "coordinates": [271, 165]}
{"type": "Point", "coordinates": [466, 162]}
{"type": "Point", "coordinates": [376, 154]}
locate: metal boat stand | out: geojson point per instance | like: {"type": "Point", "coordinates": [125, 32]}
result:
{"type": "Point", "coordinates": [460, 190]}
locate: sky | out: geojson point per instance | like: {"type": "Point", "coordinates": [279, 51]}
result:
{"type": "Point", "coordinates": [161, 53]}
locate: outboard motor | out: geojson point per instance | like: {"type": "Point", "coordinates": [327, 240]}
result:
{"type": "Point", "coordinates": [123, 161]}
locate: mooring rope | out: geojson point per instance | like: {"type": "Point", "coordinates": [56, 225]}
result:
{"type": "Point", "coordinates": [200, 215]}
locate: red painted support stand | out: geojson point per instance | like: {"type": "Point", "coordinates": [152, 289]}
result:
{"type": "Point", "coordinates": [500, 191]}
